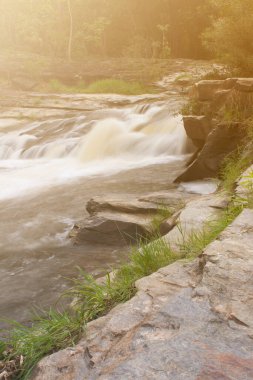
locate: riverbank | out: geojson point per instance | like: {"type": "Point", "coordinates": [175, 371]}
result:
{"type": "Point", "coordinates": [119, 75]}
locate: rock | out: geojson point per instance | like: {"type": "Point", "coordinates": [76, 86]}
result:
{"type": "Point", "coordinates": [224, 139]}
{"type": "Point", "coordinates": [112, 229]}
{"type": "Point", "coordinates": [228, 271]}
{"type": "Point", "coordinates": [99, 204]}
{"type": "Point", "coordinates": [194, 217]}
{"type": "Point", "coordinates": [190, 320]}
{"type": "Point", "coordinates": [122, 222]}
{"type": "Point", "coordinates": [174, 199]}
{"type": "Point", "coordinates": [197, 129]}
{"type": "Point", "coordinates": [205, 89]}
{"type": "Point", "coordinates": [244, 85]}
{"type": "Point", "coordinates": [220, 98]}
{"type": "Point", "coordinates": [69, 364]}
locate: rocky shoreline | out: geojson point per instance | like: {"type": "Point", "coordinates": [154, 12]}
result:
{"type": "Point", "coordinates": [191, 319]}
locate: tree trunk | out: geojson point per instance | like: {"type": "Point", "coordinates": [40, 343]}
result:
{"type": "Point", "coordinates": [70, 31]}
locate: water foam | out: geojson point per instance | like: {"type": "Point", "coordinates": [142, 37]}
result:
{"type": "Point", "coordinates": [43, 154]}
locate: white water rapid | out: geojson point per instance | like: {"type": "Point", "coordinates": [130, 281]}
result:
{"type": "Point", "coordinates": [35, 155]}
{"type": "Point", "coordinates": [52, 161]}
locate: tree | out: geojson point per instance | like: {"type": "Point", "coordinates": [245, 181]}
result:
{"type": "Point", "coordinates": [70, 31]}
{"type": "Point", "coordinates": [230, 37]}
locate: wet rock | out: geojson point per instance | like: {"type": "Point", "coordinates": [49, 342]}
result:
{"type": "Point", "coordinates": [96, 205]}
{"type": "Point", "coordinates": [122, 222]}
{"type": "Point", "coordinates": [188, 321]}
{"type": "Point", "coordinates": [197, 129]}
{"type": "Point", "coordinates": [112, 229]}
{"type": "Point", "coordinates": [224, 139]}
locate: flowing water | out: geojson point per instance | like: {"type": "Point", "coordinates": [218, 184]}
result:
{"type": "Point", "coordinates": [52, 163]}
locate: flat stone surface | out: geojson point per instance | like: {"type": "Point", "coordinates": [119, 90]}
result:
{"type": "Point", "coordinates": [190, 320]}
{"type": "Point", "coordinates": [194, 217]}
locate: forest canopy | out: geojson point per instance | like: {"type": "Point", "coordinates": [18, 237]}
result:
{"type": "Point", "coordinates": [76, 29]}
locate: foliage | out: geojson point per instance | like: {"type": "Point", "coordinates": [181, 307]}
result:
{"type": "Point", "coordinates": [231, 35]}
{"type": "Point", "coordinates": [145, 28]}
{"type": "Point", "coordinates": [237, 108]}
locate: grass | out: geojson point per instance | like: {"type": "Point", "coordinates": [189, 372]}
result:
{"type": "Point", "coordinates": [198, 240]}
{"type": "Point", "coordinates": [104, 86]}
{"type": "Point", "coordinates": [117, 86]}
{"type": "Point", "coordinates": [163, 213]}
{"type": "Point", "coordinates": [233, 166]}
{"type": "Point", "coordinates": [195, 107]}
{"type": "Point", "coordinates": [238, 161]}
{"type": "Point", "coordinates": [93, 299]}
{"type": "Point", "coordinates": [237, 108]}
{"type": "Point", "coordinates": [49, 332]}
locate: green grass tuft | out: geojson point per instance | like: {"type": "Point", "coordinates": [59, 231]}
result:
{"type": "Point", "coordinates": [232, 168]}
{"type": "Point", "coordinates": [198, 240]}
{"type": "Point", "coordinates": [51, 331]}
{"type": "Point", "coordinates": [116, 86]}
{"type": "Point", "coordinates": [104, 86]}
{"type": "Point", "coordinates": [94, 299]}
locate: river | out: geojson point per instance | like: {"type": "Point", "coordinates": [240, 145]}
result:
{"type": "Point", "coordinates": [53, 160]}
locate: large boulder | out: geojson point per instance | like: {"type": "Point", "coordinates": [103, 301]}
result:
{"type": "Point", "coordinates": [224, 139]}
{"type": "Point", "coordinates": [205, 89]}
{"type": "Point", "coordinates": [197, 129]}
